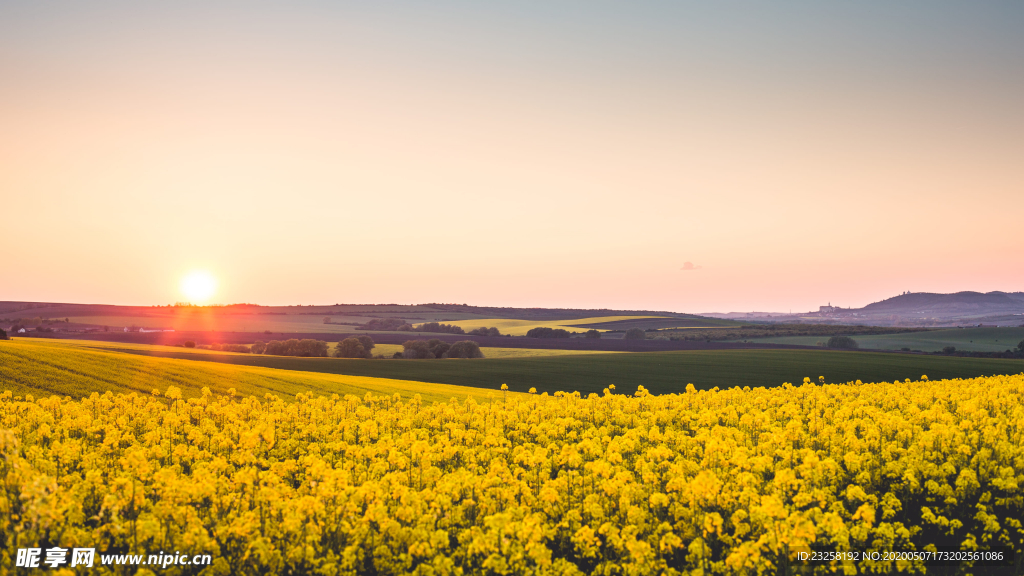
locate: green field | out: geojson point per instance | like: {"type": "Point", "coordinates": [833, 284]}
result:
{"type": "Point", "coordinates": [659, 372]}
{"type": "Point", "coordinates": [966, 339]}
{"type": "Point", "coordinates": [48, 367]}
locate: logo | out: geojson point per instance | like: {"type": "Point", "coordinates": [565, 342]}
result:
{"type": "Point", "coordinates": [31, 557]}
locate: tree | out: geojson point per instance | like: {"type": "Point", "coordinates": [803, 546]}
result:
{"type": "Point", "coordinates": [1021, 346]}
{"type": "Point", "coordinates": [593, 334]}
{"type": "Point", "coordinates": [442, 328]}
{"type": "Point", "coordinates": [485, 332]}
{"type": "Point", "coordinates": [276, 348]}
{"type": "Point", "coordinates": [948, 349]}
{"type": "Point", "coordinates": [367, 343]}
{"type": "Point", "coordinates": [465, 349]}
{"type": "Point", "coordinates": [842, 342]}
{"type": "Point", "coordinates": [242, 348]}
{"type": "Point", "coordinates": [189, 344]}
{"type": "Point", "coordinates": [382, 324]}
{"type": "Point", "coordinates": [351, 348]}
{"type": "Point", "coordinates": [635, 334]}
{"type": "Point", "coordinates": [258, 347]}
{"type": "Point", "coordinates": [438, 348]}
{"type": "Point", "coordinates": [416, 349]}
{"type": "Point", "coordinates": [311, 348]}
{"type": "Point", "coordinates": [302, 348]}
{"type": "Point", "coordinates": [3, 334]}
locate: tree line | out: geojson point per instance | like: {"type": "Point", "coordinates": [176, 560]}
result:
{"type": "Point", "coordinates": [362, 346]}
{"type": "Point", "coordinates": [546, 332]}
{"type": "Point", "coordinates": [351, 347]}
{"type": "Point", "coordinates": [437, 327]}
{"type": "Point", "coordinates": [399, 325]}
{"type": "Point", "coordinates": [305, 348]}
{"type": "Point", "coordinates": [386, 324]}
{"type": "Point", "coordinates": [434, 348]}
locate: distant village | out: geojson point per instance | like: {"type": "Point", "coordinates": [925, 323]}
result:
{"type": "Point", "coordinates": [830, 311]}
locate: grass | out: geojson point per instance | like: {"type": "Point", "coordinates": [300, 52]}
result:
{"type": "Point", "coordinates": [966, 339]}
{"type": "Point", "coordinates": [45, 368]}
{"type": "Point", "coordinates": [659, 372]}
{"type": "Point", "coordinates": [521, 327]}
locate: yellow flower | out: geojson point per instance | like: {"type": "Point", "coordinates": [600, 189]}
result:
{"type": "Point", "coordinates": [721, 482]}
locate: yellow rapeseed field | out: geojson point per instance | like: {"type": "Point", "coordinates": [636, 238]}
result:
{"type": "Point", "coordinates": [77, 369]}
{"type": "Point", "coordinates": [715, 482]}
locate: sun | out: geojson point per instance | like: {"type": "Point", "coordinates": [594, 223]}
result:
{"type": "Point", "coordinates": [198, 286]}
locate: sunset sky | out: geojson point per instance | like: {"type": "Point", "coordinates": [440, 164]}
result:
{"type": "Point", "coordinates": [557, 154]}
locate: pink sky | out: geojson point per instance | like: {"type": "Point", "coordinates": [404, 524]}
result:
{"type": "Point", "coordinates": [525, 157]}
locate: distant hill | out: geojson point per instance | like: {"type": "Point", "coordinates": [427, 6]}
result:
{"type": "Point", "coordinates": [433, 310]}
{"type": "Point", "coordinates": [911, 309]}
{"type": "Point", "coordinates": [334, 318]}
{"type": "Point", "coordinates": [959, 304]}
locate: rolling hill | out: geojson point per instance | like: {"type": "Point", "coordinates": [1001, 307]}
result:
{"type": "Point", "coordinates": [959, 304]}
{"type": "Point", "coordinates": [659, 372]}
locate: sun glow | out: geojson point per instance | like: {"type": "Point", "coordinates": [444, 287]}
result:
{"type": "Point", "coordinates": [198, 286]}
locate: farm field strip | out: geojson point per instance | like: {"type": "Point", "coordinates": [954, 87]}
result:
{"type": "Point", "coordinates": [658, 323]}
{"type": "Point", "coordinates": [521, 327]}
{"type": "Point", "coordinates": [51, 368]}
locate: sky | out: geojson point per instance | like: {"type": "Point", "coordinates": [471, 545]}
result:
{"type": "Point", "coordinates": [683, 156]}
